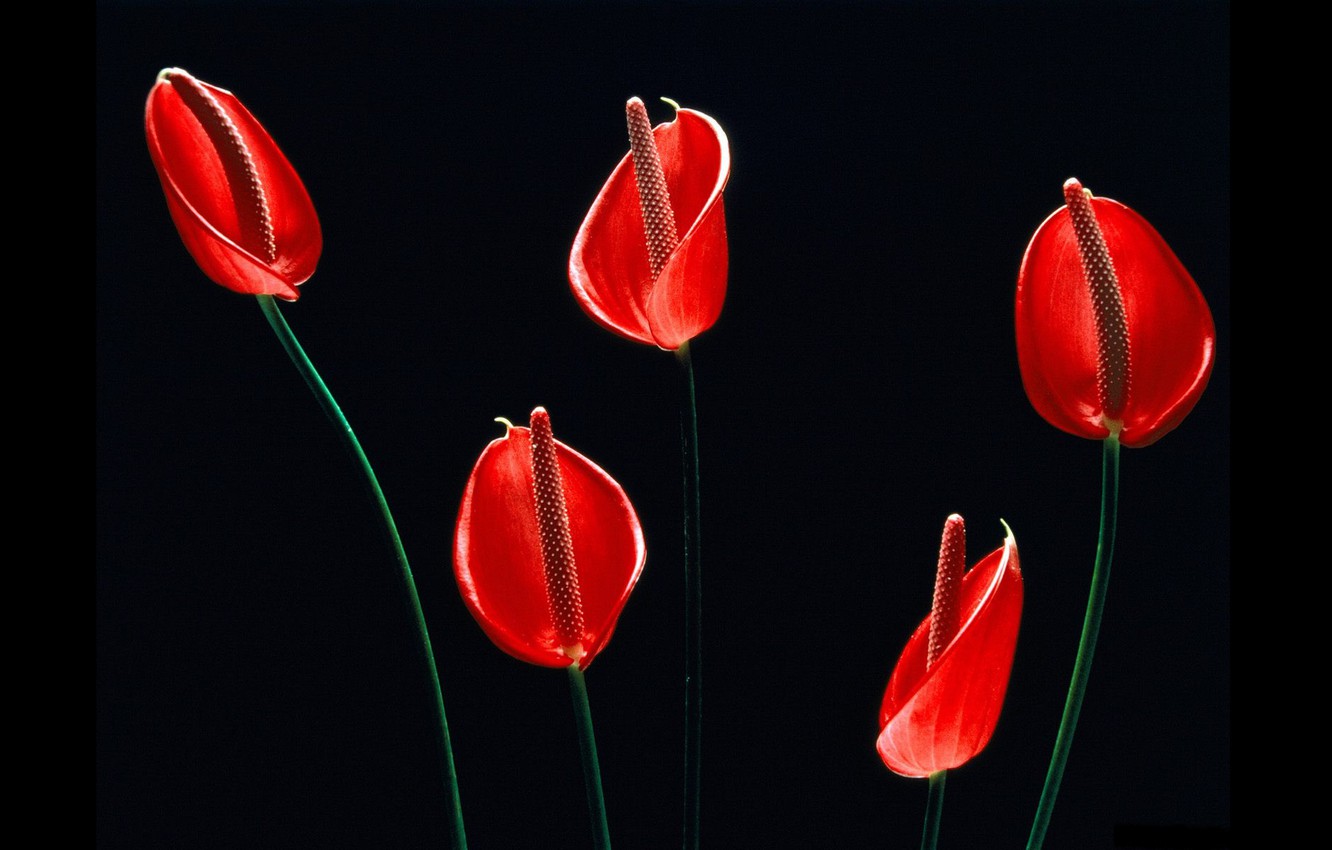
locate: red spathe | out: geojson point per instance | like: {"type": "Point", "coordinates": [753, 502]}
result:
{"type": "Point", "coordinates": [939, 718]}
{"type": "Point", "coordinates": [608, 267]}
{"type": "Point", "coordinates": [497, 551]}
{"type": "Point", "coordinates": [206, 205]}
{"type": "Point", "coordinates": [1171, 337]}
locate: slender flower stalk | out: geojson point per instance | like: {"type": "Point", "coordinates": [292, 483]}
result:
{"type": "Point", "coordinates": [587, 748]}
{"type": "Point", "coordinates": [693, 602]}
{"type": "Point", "coordinates": [1091, 628]}
{"type": "Point", "coordinates": [929, 838]}
{"type": "Point", "coordinates": [353, 446]}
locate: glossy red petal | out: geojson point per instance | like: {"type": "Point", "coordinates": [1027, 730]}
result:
{"type": "Point", "coordinates": [939, 718]}
{"type": "Point", "coordinates": [203, 201]}
{"type": "Point", "coordinates": [1172, 339]}
{"type": "Point", "coordinates": [497, 550]}
{"type": "Point", "coordinates": [608, 268]}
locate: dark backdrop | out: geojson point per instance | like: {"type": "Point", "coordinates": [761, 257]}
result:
{"type": "Point", "coordinates": [256, 678]}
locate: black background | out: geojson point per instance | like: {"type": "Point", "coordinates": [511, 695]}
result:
{"type": "Point", "coordinates": [257, 683]}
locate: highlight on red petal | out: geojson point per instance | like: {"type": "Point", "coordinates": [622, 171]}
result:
{"type": "Point", "coordinates": [938, 716]}
{"type": "Point", "coordinates": [551, 610]}
{"type": "Point", "coordinates": [239, 206]}
{"type": "Point", "coordinates": [609, 268]}
{"type": "Point", "coordinates": [1170, 336]}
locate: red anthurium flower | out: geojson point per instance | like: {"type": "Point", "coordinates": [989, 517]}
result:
{"type": "Point", "coordinates": [944, 696]}
{"type": "Point", "coordinates": [546, 549]}
{"type": "Point", "coordinates": [649, 261]}
{"type": "Point", "coordinates": [1113, 335]}
{"type": "Point", "coordinates": [239, 206]}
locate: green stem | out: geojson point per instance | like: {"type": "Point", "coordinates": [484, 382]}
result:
{"type": "Point", "coordinates": [353, 446]}
{"type": "Point", "coordinates": [933, 811]}
{"type": "Point", "coordinates": [693, 601]}
{"type": "Point", "coordinates": [587, 746]}
{"type": "Point", "coordinates": [1091, 626]}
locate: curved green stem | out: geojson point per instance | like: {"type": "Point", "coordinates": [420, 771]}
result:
{"type": "Point", "coordinates": [1091, 626]}
{"type": "Point", "coordinates": [693, 601]}
{"type": "Point", "coordinates": [353, 446]}
{"type": "Point", "coordinates": [587, 747]}
{"type": "Point", "coordinates": [933, 811]}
